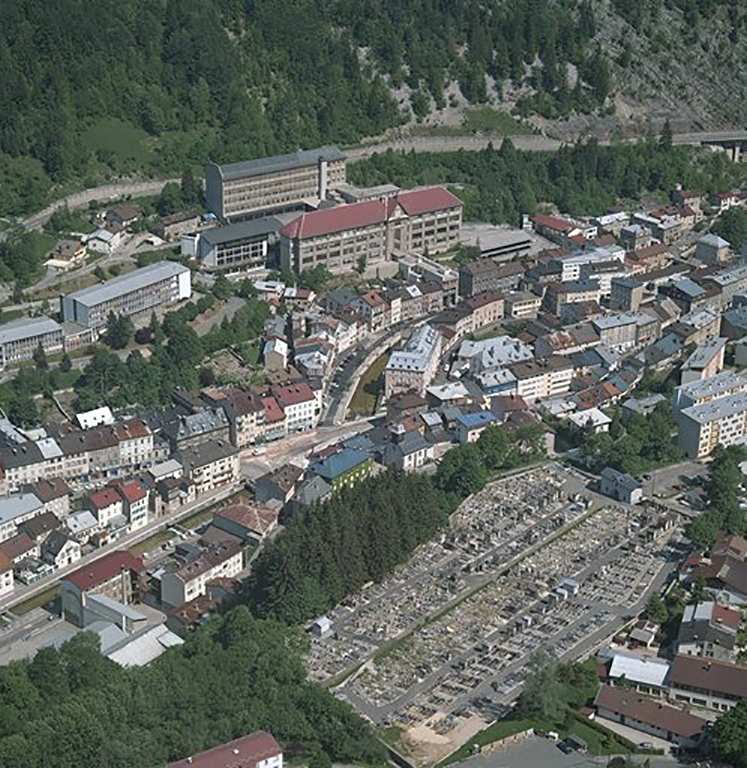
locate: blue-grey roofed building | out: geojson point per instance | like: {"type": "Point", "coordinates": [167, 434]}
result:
{"type": "Point", "coordinates": [289, 182]}
{"type": "Point", "coordinates": [20, 338]}
{"type": "Point", "coordinates": [471, 425]}
{"type": "Point", "coordinates": [346, 467]}
{"type": "Point", "coordinates": [143, 290]}
{"type": "Point", "coordinates": [246, 244]}
{"type": "Point", "coordinates": [734, 323]}
{"type": "Point", "coordinates": [411, 451]}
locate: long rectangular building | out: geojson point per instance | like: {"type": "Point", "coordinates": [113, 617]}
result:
{"type": "Point", "coordinates": [273, 184]}
{"type": "Point", "coordinates": [245, 245]}
{"type": "Point", "coordinates": [412, 368]}
{"type": "Point", "coordinates": [21, 338]}
{"type": "Point", "coordinates": [370, 232]}
{"type": "Point", "coordinates": [140, 291]}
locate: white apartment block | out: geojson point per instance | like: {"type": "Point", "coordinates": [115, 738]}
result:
{"type": "Point", "coordinates": [541, 380]}
{"type": "Point", "coordinates": [705, 390]}
{"type": "Point", "coordinates": [719, 422]}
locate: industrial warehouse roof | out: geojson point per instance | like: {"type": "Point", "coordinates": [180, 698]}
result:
{"type": "Point", "coordinates": [26, 327]}
{"type": "Point", "coordinates": [241, 230]}
{"type": "Point", "coordinates": [129, 283]}
{"type": "Point", "coordinates": [264, 165]}
{"type": "Point", "coordinates": [369, 212]}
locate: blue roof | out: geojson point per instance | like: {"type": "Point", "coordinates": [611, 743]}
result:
{"type": "Point", "coordinates": [340, 463]}
{"type": "Point", "coordinates": [480, 419]}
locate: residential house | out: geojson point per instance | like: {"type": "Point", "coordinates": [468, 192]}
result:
{"type": "Point", "coordinates": [301, 404]}
{"type": "Point", "coordinates": [471, 425]}
{"type": "Point", "coordinates": [620, 486]}
{"type": "Point", "coordinates": [16, 510]}
{"type": "Point", "coordinates": [210, 465]}
{"type": "Point", "coordinates": [245, 520]}
{"type": "Point", "coordinates": [642, 714]}
{"type": "Point", "coordinates": [279, 484]}
{"type": "Point", "coordinates": [520, 304]}
{"type": "Point", "coordinates": [410, 452]}
{"type": "Point", "coordinates": [705, 361]}
{"type": "Point", "coordinates": [708, 684]}
{"type": "Point", "coordinates": [135, 441]}
{"type": "Point", "coordinates": [344, 468]}
{"type": "Point", "coordinates": [709, 630]}
{"type": "Point", "coordinates": [258, 750]}
{"type": "Point", "coordinates": [116, 575]}
{"type": "Point", "coordinates": [6, 576]}
{"type": "Point", "coordinates": [374, 309]}
{"type": "Point", "coordinates": [60, 550]}
{"type": "Point", "coordinates": [223, 560]}
{"type": "Point", "coordinates": [486, 308]}
{"type": "Point", "coordinates": [134, 498]}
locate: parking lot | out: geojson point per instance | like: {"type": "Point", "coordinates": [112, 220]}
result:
{"type": "Point", "coordinates": [533, 560]}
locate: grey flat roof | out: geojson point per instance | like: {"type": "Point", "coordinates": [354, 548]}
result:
{"type": "Point", "coordinates": [717, 409]}
{"type": "Point", "coordinates": [129, 283]}
{"type": "Point", "coordinates": [264, 165]}
{"type": "Point", "coordinates": [240, 230]}
{"type": "Point", "coordinates": [26, 327]}
{"type": "Point", "coordinates": [12, 507]}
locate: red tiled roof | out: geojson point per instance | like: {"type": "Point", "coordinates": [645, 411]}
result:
{"type": "Point", "coordinates": [368, 212]}
{"type": "Point", "coordinates": [252, 517]}
{"type": "Point", "coordinates": [132, 491]}
{"type": "Point", "coordinates": [103, 498]}
{"type": "Point", "coordinates": [293, 394]}
{"type": "Point", "coordinates": [131, 429]}
{"type": "Point", "coordinates": [553, 222]}
{"type": "Point", "coordinates": [578, 239]}
{"type": "Point", "coordinates": [729, 617]}
{"type": "Point", "coordinates": [16, 546]}
{"type": "Point", "coordinates": [644, 710]}
{"type": "Point", "coordinates": [273, 412]}
{"type": "Point", "coordinates": [707, 675]}
{"type": "Point", "coordinates": [103, 569]}
{"type": "Point", "coordinates": [245, 752]}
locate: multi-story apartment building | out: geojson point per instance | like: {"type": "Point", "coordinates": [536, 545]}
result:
{"type": "Point", "coordinates": [704, 391]}
{"type": "Point", "coordinates": [246, 245]}
{"type": "Point", "coordinates": [521, 304]}
{"type": "Point", "coordinates": [302, 406]}
{"type": "Point", "coordinates": [375, 309]}
{"type": "Point", "coordinates": [487, 275]}
{"type": "Point", "coordinates": [625, 330]}
{"type": "Point", "coordinates": [537, 380]}
{"type": "Point", "coordinates": [135, 444]}
{"type": "Point", "coordinates": [115, 575]}
{"type": "Point", "coordinates": [371, 232]}
{"type": "Point", "coordinates": [21, 338]}
{"type": "Point", "coordinates": [571, 292]}
{"type": "Point", "coordinates": [626, 294]}
{"type": "Point", "coordinates": [486, 308]}
{"type": "Point", "coordinates": [245, 416]}
{"type": "Point", "coordinates": [143, 290]}
{"type": "Point", "coordinates": [16, 510]}
{"type": "Point", "coordinates": [719, 422]}
{"type": "Point", "coordinates": [224, 560]}
{"type": "Point", "coordinates": [210, 465]}
{"type": "Point", "coordinates": [196, 428]}
{"type": "Point", "coordinates": [273, 184]}
{"type": "Point", "coordinates": [572, 266]}
{"type": "Point", "coordinates": [413, 367]}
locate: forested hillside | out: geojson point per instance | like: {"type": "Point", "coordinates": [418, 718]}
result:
{"type": "Point", "coordinates": [91, 89]}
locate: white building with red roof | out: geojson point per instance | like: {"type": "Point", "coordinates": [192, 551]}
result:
{"type": "Point", "coordinates": [134, 502]}
{"type": "Point", "coordinates": [368, 233]}
{"type": "Point", "coordinates": [258, 750]}
{"type": "Point", "coordinates": [106, 504]}
{"type": "Point", "coordinates": [301, 404]}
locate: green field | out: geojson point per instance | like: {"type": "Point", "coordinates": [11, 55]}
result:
{"type": "Point", "coordinates": [487, 120]}
{"type": "Point", "coordinates": [366, 395]}
{"type": "Point", "coordinates": [35, 602]}
{"type": "Point", "coordinates": [42, 242]}
{"type": "Point", "coordinates": [121, 138]}
{"type": "Point", "coordinates": [10, 314]}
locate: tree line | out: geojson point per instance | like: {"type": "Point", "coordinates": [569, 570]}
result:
{"type": "Point", "coordinates": [330, 550]}
{"type": "Point", "coordinates": [73, 707]}
{"type": "Point", "coordinates": [498, 185]}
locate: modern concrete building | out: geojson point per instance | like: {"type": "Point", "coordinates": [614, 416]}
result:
{"type": "Point", "coordinates": [19, 339]}
{"type": "Point", "coordinates": [343, 237]}
{"type": "Point", "coordinates": [143, 290]}
{"type": "Point", "coordinates": [293, 182]}
{"type": "Point", "coordinates": [246, 245]}
{"type": "Point", "coordinates": [413, 367]}
{"type": "Point", "coordinates": [720, 422]}
{"type": "Point", "coordinates": [705, 390]}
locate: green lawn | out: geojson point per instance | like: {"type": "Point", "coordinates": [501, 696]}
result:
{"type": "Point", "coordinates": [35, 602]}
{"type": "Point", "coordinates": [42, 242]}
{"type": "Point", "coordinates": [123, 139]}
{"type": "Point", "coordinates": [151, 542]}
{"type": "Point", "coordinates": [367, 393]}
{"type": "Point", "coordinates": [7, 315]}
{"type": "Point", "coordinates": [487, 120]}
